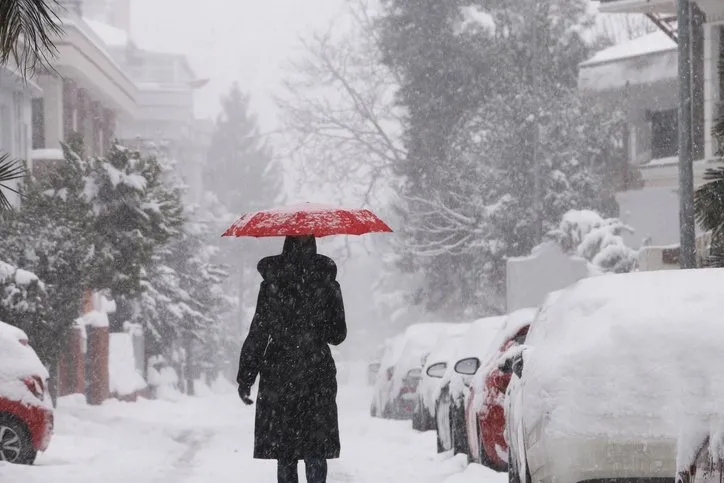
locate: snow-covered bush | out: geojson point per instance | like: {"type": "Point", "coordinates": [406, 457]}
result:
{"type": "Point", "coordinates": [599, 240]}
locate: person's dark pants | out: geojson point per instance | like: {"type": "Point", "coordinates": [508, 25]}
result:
{"type": "Point", "coordinates": [316, 471]}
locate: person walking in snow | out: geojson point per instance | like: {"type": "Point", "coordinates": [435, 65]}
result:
{"type": "Point", "coordinates": [299, 312]}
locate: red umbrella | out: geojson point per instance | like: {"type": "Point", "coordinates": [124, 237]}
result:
{"type": "Point", "coordinates": [307, 219]}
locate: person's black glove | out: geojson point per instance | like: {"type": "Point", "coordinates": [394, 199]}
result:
{"type": "Point", "coordinates": [244, 394]}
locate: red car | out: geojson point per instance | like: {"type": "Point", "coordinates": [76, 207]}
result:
{"type": "Point", "coordinates": [26, 413]}
{"type": "Point", "coordinates": [484, 413]}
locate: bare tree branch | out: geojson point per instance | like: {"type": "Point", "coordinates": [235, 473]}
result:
{"type": "Point", "coordinates": [339, 111]}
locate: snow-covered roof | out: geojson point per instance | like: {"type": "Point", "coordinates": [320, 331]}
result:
{"type": "Point", "coordinates": [645, 61]}
{"type": "Point", "coordinates": [645, 45]}
{"type": "Point", "coordinates": [634, 354]}
{"type": "Point", "coordinates": [110, 35]}
{"type": "Point", "coordinates": [47, 154]}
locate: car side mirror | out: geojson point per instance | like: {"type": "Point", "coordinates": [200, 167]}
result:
{"type": "Point", "coordinates": [437, 370]}
{"type": "Point", "coordinates": [467, 367]}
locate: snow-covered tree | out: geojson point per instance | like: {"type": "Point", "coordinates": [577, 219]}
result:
{"type": "Point", "coordinates": [599, 240]}
{"type": "Point", "coordinates": [240, 168]}
{"type": "Point", "coordinates": [243, 175]}
{"type": "Point", "coordinates": [51, 236]}
{"type": "Point", "coordinates": [499, 143]}
{"type": "Point", "coordinates": [134, 214]}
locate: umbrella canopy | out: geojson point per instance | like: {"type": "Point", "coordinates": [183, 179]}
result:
{"type": "Point", "coordinates": [307, 219]}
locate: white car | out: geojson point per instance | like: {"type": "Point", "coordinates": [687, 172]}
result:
{"type": "Point", "coordinates": [620, 377]}
{"type": "Point", "coordinates": [435, 368]}
{"type": "Point", "coordinates": [401, 368]}
{"type": "Point", "coordinates": [450, 404]}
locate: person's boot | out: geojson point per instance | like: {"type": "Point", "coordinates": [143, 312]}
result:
{"type": "Point", "coordinates": [287, 472]}
{"type": "Point", "coordinates": [316, 470]}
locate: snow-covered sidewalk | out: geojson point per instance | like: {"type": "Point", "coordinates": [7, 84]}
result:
{"type": "Point", "coordinates": [209, 438]}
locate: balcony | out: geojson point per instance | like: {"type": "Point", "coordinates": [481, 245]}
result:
{"type": "Point", "coordinates": [638, 6]}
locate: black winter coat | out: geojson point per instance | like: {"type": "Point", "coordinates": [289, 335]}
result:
{"type": "Point", "coordinates": [298, 313]}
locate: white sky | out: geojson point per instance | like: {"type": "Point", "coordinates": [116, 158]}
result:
{"type": "Point", "coordinates": [232, 40]}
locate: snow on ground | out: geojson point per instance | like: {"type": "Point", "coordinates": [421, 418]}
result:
{"type": "Point", "coordinates": [210, 437]}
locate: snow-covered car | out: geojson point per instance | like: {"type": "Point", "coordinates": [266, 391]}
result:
{"type": "Point", "coordinates": [26, 414]}
{"type": "Point", "coordinates": [450, 403]}
{"type": "Point", "coordinates": [619, 377]}
{"type": "Point", "coordinates": [401, 369]}
{"type": "Point", "coordinates": [373, 368]}
{"type": "Point", "coordinates": [435, 368]}
{"type": "Point", "coordinates": [484, 410]}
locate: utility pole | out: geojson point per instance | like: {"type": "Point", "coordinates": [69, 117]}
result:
{"type": "Point", "coordinates": [537, 188]}
{"type": "Point", "coordinates": [687, 230]}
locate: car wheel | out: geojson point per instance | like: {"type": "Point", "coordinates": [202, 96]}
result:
{"type": "Point", "coordinates": [417, 421]}
{"type": "Point", "coordinates": [513, 476]}
{"type": "Point", "coordinates": [428, 423]}
{"type": "Point", "coordinates": [440, 446]}
{"type": "Point", "coordinates": [457, 430]}
{"type": "Point", "coordinates": [16, 446]}
{"type": "Point", "coordinates": [486, 460]}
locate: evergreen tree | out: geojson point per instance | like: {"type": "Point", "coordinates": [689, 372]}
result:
{"type": "Point", "coordinates": [240, 168]}
{"type": "Point", "coordinates": [243, 176]}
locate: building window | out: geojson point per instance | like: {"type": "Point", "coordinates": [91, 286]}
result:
{"type": "Point", "coordinates": [664, 134]}
{"type": "Point", "coordinates": [38, 120]}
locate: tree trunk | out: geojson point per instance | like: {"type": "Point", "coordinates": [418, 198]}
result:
{"type": "Point", "coordinates": [189, 370]}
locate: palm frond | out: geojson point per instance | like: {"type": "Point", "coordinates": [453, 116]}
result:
{"type": "Point", "coordinates": [27, 32]}
{"type": "Point", "coordinates": [11, 169]}
{"type": "Point", "coordinates": [709, 201]}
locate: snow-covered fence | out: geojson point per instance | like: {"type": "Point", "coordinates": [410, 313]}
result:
{"type": "Point", "coordinates": [547, 269]}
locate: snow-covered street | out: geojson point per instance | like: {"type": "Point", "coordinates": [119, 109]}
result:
{"type": "Point", "coordinates": [209, 438]}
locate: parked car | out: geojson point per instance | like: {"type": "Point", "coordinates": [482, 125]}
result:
{"type": "Point", "coordinates": [435, 368]}
{"type": "Point", "coordinates": [619, 378]}
{"type": "Point", "coordinates": [373, 368]}
{"type": "Point", "coordinates": [485, 412]}
{"type": "Point", "coordinates": [401, 369]}
{"type": "Point", "coordinates": [450, 404]}
{"type": "Point", "coordinates": [26, 415]}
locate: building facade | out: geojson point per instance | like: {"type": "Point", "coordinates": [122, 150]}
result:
{"type": "Point", "coordinates": [83, 95]}
{"type": "Point", "coordinates": [642, 76]}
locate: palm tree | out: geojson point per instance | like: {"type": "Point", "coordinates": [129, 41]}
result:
{"type": "Point", "coordinates": [10, 170]}
{"type": "Point", "coordinates": [709, 198]}
{"type": "Point", "coordinates": [27, 29]}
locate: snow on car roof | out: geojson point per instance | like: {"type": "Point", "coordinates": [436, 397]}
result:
{"type": "Point", "coordinates": [10, 331]}
{"type": "Point", "coordinates": [638, 353]}
{"type": "Point", "coordinates": [423, 337]}
{"type": "Point", "coordinates": [479, 336]}
{"type": "Point", "coordinates": [445, 350]}
{"type": "Point", "coordinates": [18, 361]}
